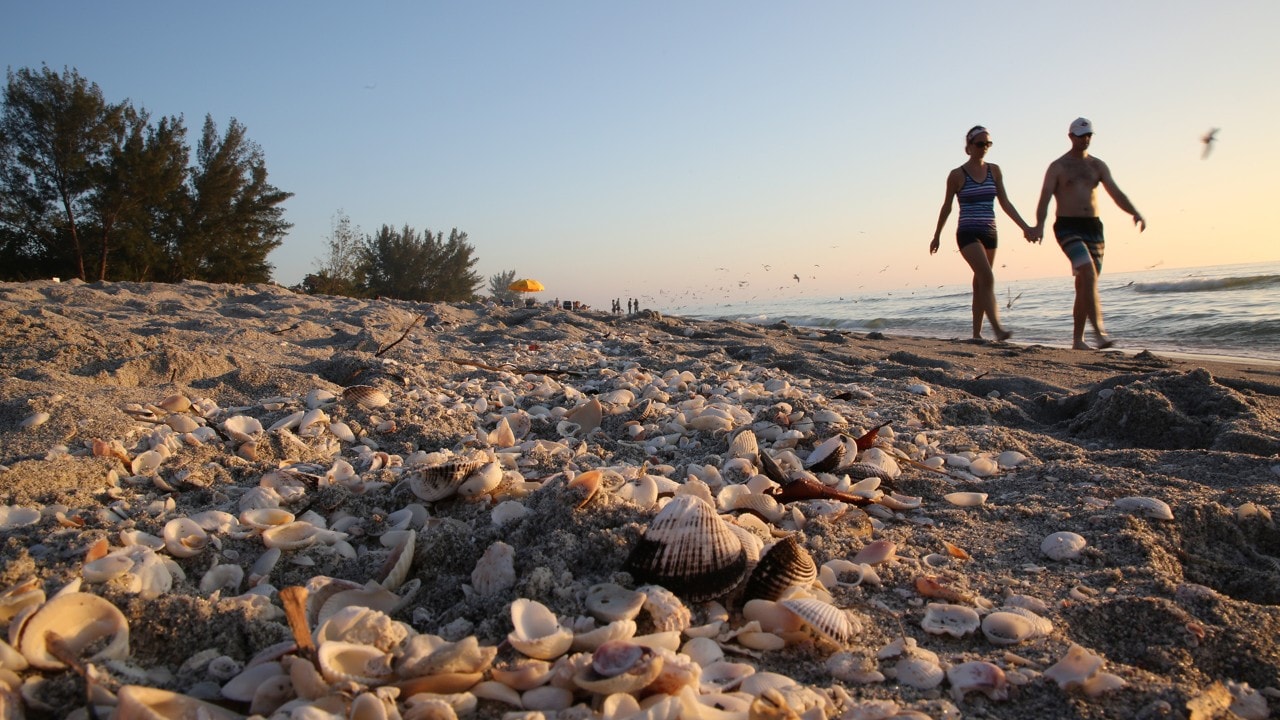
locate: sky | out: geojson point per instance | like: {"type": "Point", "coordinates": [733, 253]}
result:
{"type": "Point", "coordinates": [706, 152]}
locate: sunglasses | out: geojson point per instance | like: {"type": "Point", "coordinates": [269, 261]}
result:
{"type": "Point", "coordinates": [986, 144]}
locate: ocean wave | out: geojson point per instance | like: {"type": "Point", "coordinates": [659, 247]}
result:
{"type": "Point", "coordinates": [1250, 282]}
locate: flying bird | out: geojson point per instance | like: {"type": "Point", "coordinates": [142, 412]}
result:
{"type": "Point", "coordinates": [797, 277]}
{"type": "Point", "coordinates": [1208, 139]}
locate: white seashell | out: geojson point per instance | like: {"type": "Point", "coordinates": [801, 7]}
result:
{"type": "Point", "coordinates": [221, 576]}
{"type": "Point", "coordinates": [106, 568]}
{"type": "Point", "coordinates": [354, 662]}
{"type": "Point", "coordinates": [137, 702]}
{"type": "Point", "coordinates": [507, 511]}
{"type": "Point", "coordinates": [294, 535]}
{"type": "Point", "coordinates": [16, 598]}
{"type": "Point", "coordinates": [342, 431]}
{"type": "Point", "coordinates": [641, 490]}
{"type": "Point", "coordinates": [824, 619]}
{"type": "Point", "coordinates": [1077, 666]}
{"type": "Point", "coordinates": [263, 566]}
{"type": "Point", "coordinates": [522, 673]}
{"type": "Point", "coordinates": [919, 389]}
{"type": "Point", "coordinates": [403, 544]}
{"type": "Point", "coordinates": [665, 609]}
{"type": "Point", "coordinates": [1040, 625]}
{"type": "Point", "coordinates": [147, 462]}
{"type": "Point", "coordinates": [183, 537]}
{"type": "Point", "coordinates": [366, 396]}
{"type": "Point", "coordinates": [609, 603]}
{"type": "Point", "coordinates": [983, 466]}
{"type": "Point", "coordinates": [537, 633]}
{"type": "Point", "coordinates": [1063, 545]}
{"type": "Point", "coordinates": [363, 625]}
{"type": "Point", "coordinates": [948, 619]}
{"type": "Point", "coordinates": [82, 621]}
{"type": "Point", "coordinates": [619, 667]}
{"type": "Point", "coordinates": [242, 428]}
{"type": "Point", "coordinates": [495, 571]}
{"type": "Point", "coordinates": [965, 499]}
{"type": "Point", "coordinates": [590, 640]}
{"type": "Point", "coordinates": [370, 595]}
{"type": "Point", "coordinates": [1007, 628]}
{"type": "Point", "coordinates": [34, 420]}
{"type": "Point", "coordinates": [1145, 507]}
{"type": "Point", "coordinates": [984, 677]}
{"type": "Point", "coordinates": [1010, 459]}
{"type": "Point", "coordinates": [16, 516]}
{"type": "Point", "coordinates": [876, 552]}
{"type": "Point", "coordinates": [483, 480]}
{"type": "Point", "coordinates": [263, 518]}
{"type": "Point", "coordinates": [919, 671]}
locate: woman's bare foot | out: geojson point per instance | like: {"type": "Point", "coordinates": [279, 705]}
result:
{"type": "Point", "coordinates": [1081, 345]}
{"type": "Point", "coordinates": [1002, 335]}
{"type": "Point", "coordinates": [1103, 340]}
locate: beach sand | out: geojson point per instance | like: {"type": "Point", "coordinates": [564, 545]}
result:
{"type": "Point", "coordinates": [1183, 614]}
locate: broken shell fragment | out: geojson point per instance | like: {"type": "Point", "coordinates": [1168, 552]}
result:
{"type": "Point", "coordinates": [619, 667]}
{"type": "Point", "coordinates": [537, 632]}
{"type": "Point", "coordinates": [82, 621]}
{"type": "Point", "coordinates": [825, 619]}
{"type": "Point", "coordinates": [948, 619]}
{"type": "Point", "coordinates": [608, 602]}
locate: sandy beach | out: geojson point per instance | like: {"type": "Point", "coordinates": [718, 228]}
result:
{"type": "Point", "coordinates": [125, 408]}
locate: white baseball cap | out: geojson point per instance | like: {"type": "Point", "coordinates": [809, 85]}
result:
{"type": "Point", "coordinates": [1081, 126]}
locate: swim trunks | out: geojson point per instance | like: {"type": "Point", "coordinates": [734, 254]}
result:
{"type": "Point", "coordinates": [985, 236]}
{"type": "Point", "coordinates": [1081, 239]}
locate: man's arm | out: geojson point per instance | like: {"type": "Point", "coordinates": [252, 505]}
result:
{"type": "Point", "coordinates": [1046, 192]}
{"type": "Point", "coordinates": [1122, 200]}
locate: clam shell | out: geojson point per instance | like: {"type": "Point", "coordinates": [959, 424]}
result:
{"type": "Point", "coordinates": [823, 618]}
{"type": "Point", "coordinates": [1007, 628]}
{"type": "Point", "coordinates": [400, 561]}
{"type": "Point", "coordinates": [290, 536]}
{"type": "Point", "coordinates": [826, 456]}
{"type": "Point", "coordinates": [979, 675]}
{"type": "Point", "coordinates": [784, 564]}
{"type": "Point", "coordinates": [355, 662]}
{"type": "Point", "coordinates": [537, 633]}
{"type": "Point", "coordinates": [16, 597]}
{"type": "Point", "coordinates": [608, 602]}
{"type": "Point", "coordinates": [1063, 545]}
{"type": "Point", "coordinates": [690, 551]}
{"type": "Point", "coordinates": [920, 672]}
{"type": "Point", "coordinates": [183, 537]}
{"type": "Point", "coordinates": [265, 517]}
{"type": "Point", "coordinates": [965, 499]}
{"type": "Point", "coordinates": [82, 621]}
{"type": "Point", "coordinates": [619, 667]}
{"type": "Point", "coordinates": [366, 396]}
{"type": "Point", "coordinates": [947, 619]}
{"type": "Point", "coordinates": [135, 702]}
{"type": "Point", "coordinates": [441, 481]}
{"type": "Point", "coordinates": [363, 625]}
{"type": "Point", "coordinates": [1145, 507]}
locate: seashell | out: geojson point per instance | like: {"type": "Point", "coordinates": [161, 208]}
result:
{"type": "Point", "coordinates": [522, 673]}
{"type": "Point", "coordinates": [537, 633]}
{"type": "Point", "coordinates": [744, 445]}
{"type": "Point", "coordinates": [1007, 628]}
{"type": "Point", "coordinates": [899, 502]}
{"type": "Point", "coordinates": [34, 420]}
{"type": "Point", "coordinates": [366, 396]}
{"type": "Point", "coordinates": [608, 602]}
{"type": "Point", "coordinates": [689, 550]}
{"type": "Point", "coordinates": [825, 619]}
{"type": "Point", "coordinates": [183, 537]}
{"type": "Point", "coordinates": [363, 625]}
{"type": "Point", "coordinates": [294, 535]}
{"type": "Point", "coordinates": [483, 480]}
{"type": "Point", "coordinates": [586, 416]}
{"type": "Point", "coordinates": [982, 676]}
{"type": "Point", "coordinates": [765, 506]}
{"type": "Point", "coordinates": [1145, 507]}
{"type": "Point", "coordinates": [983, 466]}
{"type": "Point", "coordinates": [495, 571]}
{"type": "Point", "coordinates": [400, 561]}
{"type": "Point", "coordinates": [507, 511]}
{"type": "Point", "coordinates": [948, 619]}
{"type": "Point", "coordinates": [619, 667]}
{"type": "Point", "coordinates": [1063, 545]}
{"type": "Point", "coordinates": [665, 610]}
{"type": "Point", "coordinates": [242, 428]}
{"type": "Point", "coordinates": [221, 576]}
{"type": "Point", "coordinates": [82, 621]}
{"type": "Point", "coordinates": [784, 564]}
{"type": "Point", "coordinates": [614, 631]}
{"type": "Point", "coordinates": [1010, 459]}
{"type": "Point", "coordinates": [147, 462]}
{"type": "Point", "coordinates": [826, 456]}
{"type": "Point", "coordinates": [438, 482]}
{"type": "Point", "coordinates": [641, 490]}
{"type": "Point", "coordinates": [15, 598]}
{"type": "Point", "coordinates": [965, 499]}
{"type": "Point", "coordinates": [353, 662]}
{"type": "Point", "coordinates": [135, 702]}
{"type": "Point", "coordinates": [919, 671]}
{"type": "Point", "coordinates": [1076, 667]}
{"type": "Point", "coordinates": [16, 516]}
{"type": "Point", "coordinates": [263, 566]}
{"type": "Point", "coordinates": [267, 517]}
{"type": "Point", "coordinates": [877, 552]}
{"type": "Point", "coordinates": [370, 595]}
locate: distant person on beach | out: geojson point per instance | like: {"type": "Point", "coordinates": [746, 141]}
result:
{"type": "Point", "coordinates": [1072, 180]}
{"type": "Point", "coordinates": [977, 184]}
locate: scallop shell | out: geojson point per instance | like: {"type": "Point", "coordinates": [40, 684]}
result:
{"type": "Point", "coordinates": [689, 550]}
{"type": "Point", "coordinates": [608, 602]}
{"type": "Point", "coordinates": [400, 561]}
{"type": "Point", "coordinates": [135, 702]}
{"type": "Point", "coordinates": [919, 671]}
{"type": "Point", "coordinates": [784, 564]}
{"type": "Point", "coordinates": [823, 618]}
{"type": "Point", "coordinates": [366, 396]}
{"type": "Point", "coordinates": [495, 571]}
{"type": "Point", "coordinates": [83, 621]}
{"type": "Point", "coordinates": [537, 633]}
{"type": "Point", "coordinates": [619, 667]}
{"type": "Point", "coordinates": [438, 482]}
{"type": "Point", "coordinates": [1145, 506]}
{"type": "Point", "coordinates": [744, 445]}
{"type": "Point", "coordinates": [947, 619]}
{"type": "Point", "coordinates": [1063, 545]}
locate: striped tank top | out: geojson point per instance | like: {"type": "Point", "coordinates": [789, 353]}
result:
{"type": "Point", "coordinates": [977, 203]}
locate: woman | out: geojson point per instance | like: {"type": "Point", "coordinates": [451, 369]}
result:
{"type": "Point", "coordinates": [977, 183]}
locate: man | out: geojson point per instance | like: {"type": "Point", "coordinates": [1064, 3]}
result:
{"type": "Point", "coordinates": [1072, 180]}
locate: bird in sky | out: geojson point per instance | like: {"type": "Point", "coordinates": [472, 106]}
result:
{"type": "Point", "coordinates": [797, 277]}
{"type": "Point", "coordinates": [1208, 139]}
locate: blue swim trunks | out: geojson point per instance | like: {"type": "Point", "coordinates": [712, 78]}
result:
{"type": "Point", "coordinates": [1081, 239]}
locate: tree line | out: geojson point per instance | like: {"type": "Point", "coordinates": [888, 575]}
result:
{"type": "Point", "coordinates": [102, 191]}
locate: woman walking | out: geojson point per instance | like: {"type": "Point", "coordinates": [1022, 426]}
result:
{"type": "Point", "coordinates": [977, 183]}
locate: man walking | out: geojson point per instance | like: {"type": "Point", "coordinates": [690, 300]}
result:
{"type": "Point", "coordinates": [1072, 181]}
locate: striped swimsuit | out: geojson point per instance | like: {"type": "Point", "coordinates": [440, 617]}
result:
{"type": "Point", "coordinates": [977, 211]}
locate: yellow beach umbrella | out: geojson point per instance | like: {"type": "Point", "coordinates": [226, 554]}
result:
{"type": "Point", "coordinates": [526, 285]}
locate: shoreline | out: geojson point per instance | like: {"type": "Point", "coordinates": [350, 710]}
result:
{"type": "Point", "coordinates": [1164, 472]}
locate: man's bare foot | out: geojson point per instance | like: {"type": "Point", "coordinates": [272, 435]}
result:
{"type": "Point", "coordinates": [1081, 345]}
{"type": "Point", "coordinates": [1104, 340]}
{"type": "Point", "coordinates": [1002, 335]}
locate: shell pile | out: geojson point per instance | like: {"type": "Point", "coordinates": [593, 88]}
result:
{"type": "Point", "coordinates": [593, 535]}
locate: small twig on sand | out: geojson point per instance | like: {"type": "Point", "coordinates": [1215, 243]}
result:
{"type": "Point", "coordinates": [979, 377]}
{"type": "Point", "coordinates": [403, 335]}
{"type": "Point", "coordinates": [294, 599]}
{"type": "Point", "coordinates": [281, 331]}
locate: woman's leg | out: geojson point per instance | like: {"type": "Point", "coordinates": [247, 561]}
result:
{"type": "Point", "coordinates": [984, 288]}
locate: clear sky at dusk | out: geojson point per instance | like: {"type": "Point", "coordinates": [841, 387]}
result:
{"type": "Point", "coordinates": [675, 150]}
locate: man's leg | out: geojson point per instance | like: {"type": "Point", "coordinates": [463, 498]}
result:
{"type": "Point", "coordinates": [1087, 306]}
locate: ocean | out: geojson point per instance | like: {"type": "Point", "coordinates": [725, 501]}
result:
{"type": "Point", "coordinates": [1225, 310]}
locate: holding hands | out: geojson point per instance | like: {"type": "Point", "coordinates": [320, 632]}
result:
{"type": "Point", "coordinates": [1033, 234]}
{"type": "Point", "coordinates": [933, 246]}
